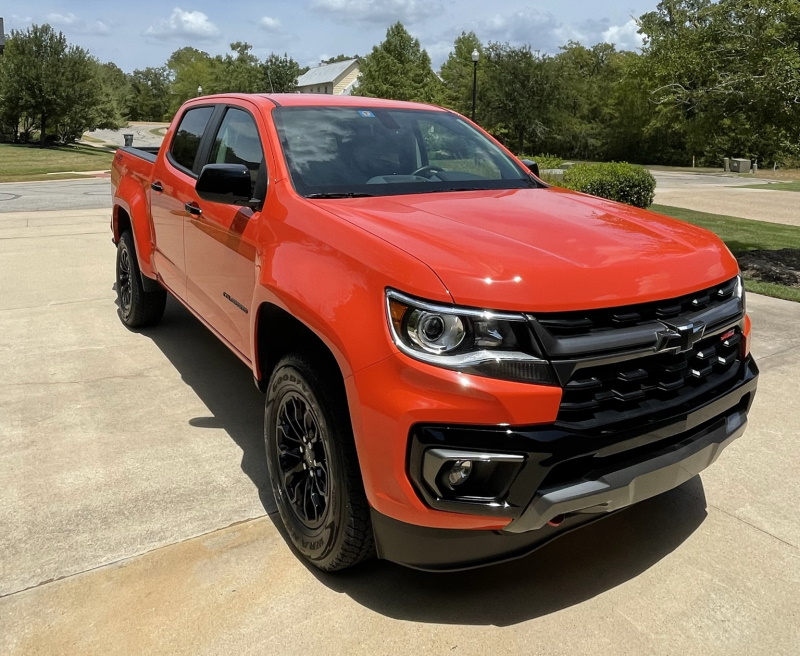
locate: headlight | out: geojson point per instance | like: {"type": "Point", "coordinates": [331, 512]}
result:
{"type": "Point", "coordinates": [473, 341]}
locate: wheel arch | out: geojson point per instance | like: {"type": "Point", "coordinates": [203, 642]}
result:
{"type": "Point", "coordinates": [276, 333]}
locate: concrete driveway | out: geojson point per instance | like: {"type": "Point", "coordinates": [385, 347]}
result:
{"type": "Point", "coordinates": [136, 516]}
{"type": "Point", "coordinates": [727, 195]}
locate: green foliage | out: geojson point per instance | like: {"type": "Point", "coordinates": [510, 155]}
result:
{"type": "Point", "coordinates": [519, 97]}
{"type": "Point", "coordinates": [622, 182]}
{"type": "Point", "coordinates": [545, 161]}
{"type": "Point", "coordinates": [53, 86]}
{"type": "Point", "coordinates": [339, 58]}
{"type": "Point", "coordinates": [398, 68]}
{"type": "Point", "coordinates": [149, 99]}
{"type": "Point", "coordinates": [281, 73]}
{"type": "Point", "coordinates": [727, 74]}
{"type": "Point", "coordinates": [458, 71]}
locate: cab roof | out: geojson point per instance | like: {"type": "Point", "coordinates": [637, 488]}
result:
{"type": "Point", "coordinates": [321, 100]}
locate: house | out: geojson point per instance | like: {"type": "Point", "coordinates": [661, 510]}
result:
{"type": "Point", "coordinates": [337, 79]}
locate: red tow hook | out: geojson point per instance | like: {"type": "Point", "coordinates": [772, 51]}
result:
{"type": "Point", "coordinates": [556, 521]}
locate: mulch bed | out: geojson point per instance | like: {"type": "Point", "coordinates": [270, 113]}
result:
{"type": "Point", "coordinates": [781, 267]}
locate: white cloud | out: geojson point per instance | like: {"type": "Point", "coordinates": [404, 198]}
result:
{"type": "Point", "coordinates": [269, 24]}
{"type": "Point", "coordinates": [78, 25]}
{"type": "Point", "coordinates": [381, 11]}
{"type": "Point", "coordinates": [531, 26]}
{"type": "Point", "coordinates": [184, 24]}
{"type": "Point", "coordinates": [625, 37]}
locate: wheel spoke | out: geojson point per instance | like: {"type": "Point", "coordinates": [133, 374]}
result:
{"type": "Point", "coordinates": [302, 459]}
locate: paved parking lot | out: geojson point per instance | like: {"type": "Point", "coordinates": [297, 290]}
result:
{"type": "Point", "coordinates": [136, 516]}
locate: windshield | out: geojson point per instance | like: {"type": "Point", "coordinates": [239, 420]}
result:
{"type": "Point", "coordinates": [335, 152]}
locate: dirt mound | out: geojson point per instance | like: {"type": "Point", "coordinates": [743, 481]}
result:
{"type": "Point", "coordinates": [781, 267]}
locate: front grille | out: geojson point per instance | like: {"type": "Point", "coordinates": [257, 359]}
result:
{"type": "Point", "coordinates": [567, 324]}
{"type": "Point", "coordinates": [608, 394]}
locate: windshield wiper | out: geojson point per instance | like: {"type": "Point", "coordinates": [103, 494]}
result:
{"type": "Point", "coordinates": [349, 194]}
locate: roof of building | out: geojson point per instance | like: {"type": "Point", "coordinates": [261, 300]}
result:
{"type": "Point", "coordinates": [325, 74]}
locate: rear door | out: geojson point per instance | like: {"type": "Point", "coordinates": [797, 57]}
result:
{"type": "Point", "coordinates": [172, 195]}
{"type": "Point", "coordinates": [221, 240]}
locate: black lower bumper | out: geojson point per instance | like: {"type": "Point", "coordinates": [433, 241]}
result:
{"type": "Point", "coordinates": [566, 481]}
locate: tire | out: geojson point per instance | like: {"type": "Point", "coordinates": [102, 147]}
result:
{"type": "Point", "coordinates": [137, 308]}
{"type": "Point", "coordinates": [313, 467]}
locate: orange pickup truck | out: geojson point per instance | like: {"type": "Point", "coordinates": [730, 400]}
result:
{"type": "Point", "coordinates": [460, 362]}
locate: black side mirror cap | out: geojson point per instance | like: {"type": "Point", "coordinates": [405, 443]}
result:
{"type": "Point", "coordinates": [533, 167]}
{"type": "Point", "coordinates": [229, 184]}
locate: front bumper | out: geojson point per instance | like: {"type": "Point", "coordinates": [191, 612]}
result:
{"type": "Point", "coordinates": [567, 479]}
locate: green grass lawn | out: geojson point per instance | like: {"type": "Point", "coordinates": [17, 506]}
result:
{"type": "Point", "coordinates": [745, 235]}
{"type": "Point", "coordinates": [782, 186]}
{"type": "Point", "coordinates": [20, 162]}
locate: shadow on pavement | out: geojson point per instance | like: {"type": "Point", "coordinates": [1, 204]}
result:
{"type": "Point", "coordinates": [572, 569]}
{"type": "Point", "coordinates": [223, 384]}
{"type": "Point", "coordinates": [576, 567]}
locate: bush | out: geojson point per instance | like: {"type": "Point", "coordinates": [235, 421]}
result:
{"type": "Point", "coordinates": [545, 161]}
{"type": "Point", "coordinates": [621, 182]}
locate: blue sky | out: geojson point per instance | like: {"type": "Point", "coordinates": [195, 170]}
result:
{"type": "Point", "coordinates": [145, 32]}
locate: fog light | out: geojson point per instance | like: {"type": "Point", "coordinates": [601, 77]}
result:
{"type": "Point", "coordinates": [459, 472]}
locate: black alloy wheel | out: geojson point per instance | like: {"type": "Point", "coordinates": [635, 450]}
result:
{"type": "Point", "coordinates": [313, 466]}
{"type": "Point", "coordinates": [303, 460]}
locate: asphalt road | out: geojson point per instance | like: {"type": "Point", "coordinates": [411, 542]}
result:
{"type": "Point", "coordinates": [136, 516]}
{"type": "Point", "coordinates": [91, 193]}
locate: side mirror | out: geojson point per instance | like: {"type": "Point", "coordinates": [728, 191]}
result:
{"type": "Point", "coordinates": [533, 167]}
{"type": "Point", "coordinates": [225, 183]}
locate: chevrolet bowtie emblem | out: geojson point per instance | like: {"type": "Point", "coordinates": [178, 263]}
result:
{"type": "Point", "coordinates": [680, 338]}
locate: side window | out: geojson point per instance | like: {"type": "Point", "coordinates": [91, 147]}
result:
{"type": "Point", "coordinates": [187, 138]}
{"type": "Point", "coordinates": [237, 142]}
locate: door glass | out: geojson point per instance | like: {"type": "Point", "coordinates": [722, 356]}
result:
{"type": "Point", "coordinates": [190, 132]}
{"type": "Point", "coordinates": [237, 142]}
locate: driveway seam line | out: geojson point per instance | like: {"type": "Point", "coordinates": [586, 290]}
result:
{"type": "Point", "coordinates": [131, 557]}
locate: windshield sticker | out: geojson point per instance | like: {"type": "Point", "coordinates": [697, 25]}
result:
{"type": "Point", "coordinates": [365, 113]}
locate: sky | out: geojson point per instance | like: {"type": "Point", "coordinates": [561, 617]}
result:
{"type": "Point", "coordinates": [145, 32]}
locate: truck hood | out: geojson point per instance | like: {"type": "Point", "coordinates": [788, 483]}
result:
{"type": "Point", "coordinates": [543, 250]}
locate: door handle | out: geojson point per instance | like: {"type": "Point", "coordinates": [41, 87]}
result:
{"type": "Point", "coordinates": [156, 186]}
{"type": "Point", "coordinates": [193, 209]}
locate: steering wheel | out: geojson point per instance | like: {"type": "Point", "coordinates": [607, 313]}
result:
{"type": "Point", "coordinates": [427, 171]}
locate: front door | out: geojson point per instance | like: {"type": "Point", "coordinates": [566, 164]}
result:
{"type": "Point", "coordinates": [221, 239]}
{"type": "Point", "coordinates": [171, 190]}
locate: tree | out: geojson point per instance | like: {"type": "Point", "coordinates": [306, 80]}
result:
{"type": "Point", "coordinates": [33, 66]}
{"type": "Point", "coordinates": [239, 74]}
{"type": "Point", "coordinates": [150, 94]}
{"type": "Point", "coordinates": [729, 73]}
{"type": "Point", "coordinates": [115, 95]}
{"type": "Point", "coordinates": [56, 84]}
{"type": "Point", "coordinates": [279, 74]}
{"type": "Point", "coordinates": [398, 68]}
{"type": "Point", "coordinates": [339, 58]}
{"type": "Point", "coordinates": [519, 97]}
{"type": "Point", "coordinates": [189, 69]}
{"type": "Point", "coordinates": [457, 73]}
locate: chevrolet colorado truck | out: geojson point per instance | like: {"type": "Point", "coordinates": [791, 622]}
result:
{"type": "Point", "coordinates": [460, 362]}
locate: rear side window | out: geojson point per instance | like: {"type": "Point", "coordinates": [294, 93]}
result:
{"type": "Point", "coordinates": [190, 133]}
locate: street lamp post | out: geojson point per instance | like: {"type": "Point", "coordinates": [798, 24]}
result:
{"type": "Point", "coordinates": [475, 57]}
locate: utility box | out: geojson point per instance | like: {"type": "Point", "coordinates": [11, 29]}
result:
{"type": "Point", "coordinates": [740, 165]}
{"type": "Point", "coordinates": [726, 163]}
